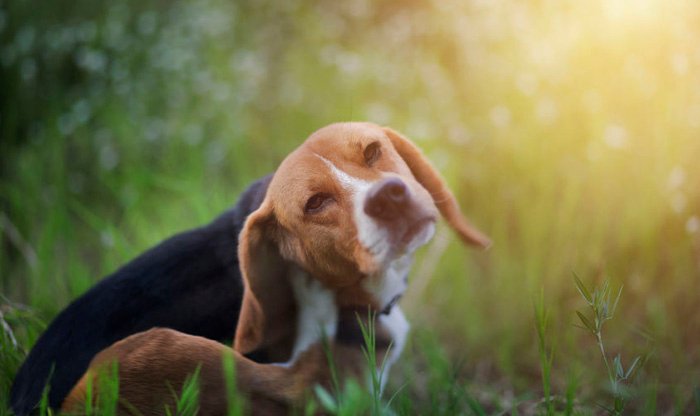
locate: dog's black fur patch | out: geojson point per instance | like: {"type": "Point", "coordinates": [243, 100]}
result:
{"type": "Point", "coordinates": [190, 282]}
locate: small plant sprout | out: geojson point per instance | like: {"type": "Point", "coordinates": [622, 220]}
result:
{"type": "Point", "coordinates": [187, 403]}
{"type": "Point", "coordinates": [351, 398]}
{"type": "Point", "coordinates": [603, 309]}
{"type": "Point", "coordinates": [369, 351]}
{"type": "Point", "coordinates": [234, 400]}
{"type": "Point", "coordinates": [546, 354]}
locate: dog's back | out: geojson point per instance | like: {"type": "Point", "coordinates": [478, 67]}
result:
{"type": "Point", "coordinates": [189, 282]}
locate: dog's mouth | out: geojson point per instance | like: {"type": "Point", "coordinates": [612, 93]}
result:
{"type": "Point", "coordinates": [414, 230]}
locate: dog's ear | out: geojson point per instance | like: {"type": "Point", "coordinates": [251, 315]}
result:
{"type": "Point", "coordinates": [427, 176]}
{"type": "Point", "coordinates": [266, 289]}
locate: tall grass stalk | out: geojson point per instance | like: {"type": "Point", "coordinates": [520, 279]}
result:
{"type": "Point", "coordinates": [350, 398]}
{"type": "Point", "coordinates": [89, 399]}
{"type": "Point", "coordinates": [101, 393]}
{"type": "Point", "coordinates": [571, 386]}
{"type": "Point", "coordinates": [602, 307]}
{"type": "Point", "coordinates": [108, 389]}
{"type": "Point", "coordinates": [377, 372]}
{"type": "Point", "coordinates": [44, 409]}
{"type": "Point", "coordinates": [234, 403]}
{"type": "Point", "coordinates": [546, 355]}
{"type": "Point", "coordinates": [187, 403]}
{"type": "Point", "coordinates": [332, 368]}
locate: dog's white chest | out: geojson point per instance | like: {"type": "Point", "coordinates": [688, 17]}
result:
{"type": "Point", "coordinates": [397, 325]}
{"type": "Point", "coordinates": [317, 313]}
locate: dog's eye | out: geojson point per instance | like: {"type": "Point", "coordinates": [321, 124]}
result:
{"type": "Point", "coordinates": [316, 203]}
{"type": "Point", "coordinates": [372, 153]}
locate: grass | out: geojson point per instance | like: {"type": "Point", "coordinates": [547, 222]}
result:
{"type": "Point", "coordinates": [567, 131]}
{"type": "Point", "coordinates": [378, 369]}
{"type": "Point", "coordinates": [444, 390]}
{"type": "Point", "coordinates": [235, 403]}
{"type": "Point", "coordinates": [546, 353]}
{"type": "Point", "coordinates": [603, 310]}
{"type": "Point", "coordinates": [187, 403]}
{"type": "Point", "coordinates": [349, 397]}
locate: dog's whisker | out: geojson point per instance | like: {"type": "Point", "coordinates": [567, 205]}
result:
{"type": "Point", "coordinates": [441, 200]}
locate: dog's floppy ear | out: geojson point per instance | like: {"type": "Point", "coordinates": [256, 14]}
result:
{"type": "Point", "coordinates": [265, 287]}
{"type": "Point", "coordinates": [431, 180]}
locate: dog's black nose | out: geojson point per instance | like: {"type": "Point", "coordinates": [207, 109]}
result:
{"type": "Point", "coordinates": [387, 199]}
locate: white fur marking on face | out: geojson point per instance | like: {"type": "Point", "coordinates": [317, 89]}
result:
{"type": "Point", "coordinates": [372, 237]}
{"type": "Point", "coordinates": [317, 313]}
{"type": "Point", "coordinates": [351, 183]}
{"type": "Point", "coordinates": [395, 322]}
{"type": "Point", "coordinates": [391, 280]}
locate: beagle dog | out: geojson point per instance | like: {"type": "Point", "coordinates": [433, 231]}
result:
{"type": "Point", "coordinates": [336, 232]}
{"type": "Point", "coordinates": [338, 227]}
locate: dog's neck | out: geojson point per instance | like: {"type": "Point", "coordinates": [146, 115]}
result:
{"type": "Point", "coordinates": [318, 309]}
{"type": "Point", "coordinates": [317, 312]}
{"type": "Point", "coordinates": [388, 286]}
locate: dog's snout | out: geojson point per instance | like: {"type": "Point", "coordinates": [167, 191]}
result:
{"type": "Point", "coordinates": [395, 190]}
{"type": "Point", "coordinates": [387, 200]}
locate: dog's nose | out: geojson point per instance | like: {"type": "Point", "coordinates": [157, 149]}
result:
{"type": "Point", "coordinates": [387, 199]}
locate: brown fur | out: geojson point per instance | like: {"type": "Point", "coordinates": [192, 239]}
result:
{"type": "Point", "coordinates": [277, 241]}
{"type": "Point", "coordinates": [153, 366]}
{"type": "Point", "coordinates": [443, 198]}
{"type": "Point", "coordinates": [327, 246]}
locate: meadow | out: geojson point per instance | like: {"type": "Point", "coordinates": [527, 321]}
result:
{"type": "Point", "coordinates": [569, 131]}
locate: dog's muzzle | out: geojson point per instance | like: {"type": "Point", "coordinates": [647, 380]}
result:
{"type": "Point", "coordinates": [391, 204]}
{"type": "Point", "coordinates": [388, 200]}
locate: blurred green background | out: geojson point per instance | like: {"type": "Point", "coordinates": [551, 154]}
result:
{"type": "Point", "coordinates": [570, 132]}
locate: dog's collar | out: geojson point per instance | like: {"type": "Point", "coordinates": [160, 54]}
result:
{"type": "Point", "coordinates": [386, 310]}
{"type": "Point", "coordinates": [390, 305]}
{"type": "Point", "coordinates": [350, 332]}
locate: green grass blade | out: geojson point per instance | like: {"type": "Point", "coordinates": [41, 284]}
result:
{"type": "Point", "coordinates": [582, 289]}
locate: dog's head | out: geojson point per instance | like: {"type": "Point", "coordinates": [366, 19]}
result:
{"type": "Point", "coordinates": [348, 207]}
